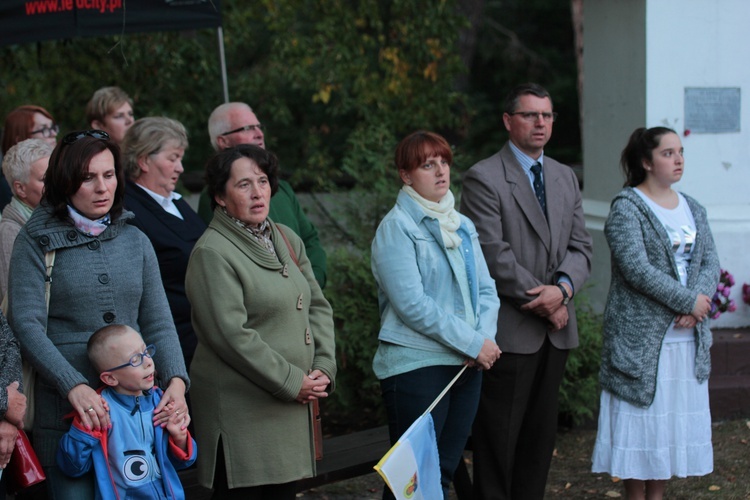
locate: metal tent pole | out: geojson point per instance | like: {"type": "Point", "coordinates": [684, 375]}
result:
{"type": "Point", "coordinates": [223, 60]}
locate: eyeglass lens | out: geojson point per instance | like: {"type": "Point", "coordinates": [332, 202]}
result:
{"type": "Point", "coordinates": [250, 128]}
{"type": "Point", "coordinates": [137, 359]}
{"type": "Point", "coordinates": [532, 116]}
{"type": "Point", "coordinates": [47, 131]}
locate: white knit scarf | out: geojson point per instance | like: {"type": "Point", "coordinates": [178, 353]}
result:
{"type": "Point", "coordinates": [443, 211]}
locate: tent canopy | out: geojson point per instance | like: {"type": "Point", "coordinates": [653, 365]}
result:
{"type": "Point", "coordinates": [23, 21]}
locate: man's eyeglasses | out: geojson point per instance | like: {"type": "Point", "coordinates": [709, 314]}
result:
{"type": "Point", "coordinates": [137, 359]}
{"type": "Point", "coordinates": [531, 116]}
{"type": "Point", "coordinates": [246, 128]}
{"type": "Point", "coordinates": [47, 131]}
{"type": "Point", "coordinates": [74, 136]}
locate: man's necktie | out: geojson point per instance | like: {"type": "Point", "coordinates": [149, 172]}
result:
{"type": "Point", "coordinates": [536, 169]}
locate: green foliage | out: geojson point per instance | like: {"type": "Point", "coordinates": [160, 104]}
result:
{"type": "Point", "coordinates": [579, 392]}
{"type": "Point", "coordinates": [353, 295]}
{"type": "Point", "coordinates": [320, 73]}
{"type": "Point", "coordinates": [172, 74]}
{"type": "Point", "coordinates": [337, 74]}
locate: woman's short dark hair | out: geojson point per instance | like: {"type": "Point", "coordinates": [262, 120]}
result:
{"type": "Point", "coordinates": [415, 148]}
{"type": "Point", "coordinates": [640, 148]}
{"type": "Point", "coordinates": [219, 168]}
{"type": "Point", "coordinates": [514, 96]}
{"type": "Point", "coordinates": [69, 164]}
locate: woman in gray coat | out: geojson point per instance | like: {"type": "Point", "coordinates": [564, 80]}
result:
{"type": "Point", "coordinates": [654, 421]}
{"type": "Point", "coordinates": [104, 272]}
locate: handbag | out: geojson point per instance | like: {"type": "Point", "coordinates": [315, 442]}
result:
{"type": "Point", "coordinates": [24, 469]}
{"type": "Point", "coordinates": [29, 374]}
{"type": "Point", "coordinates": [317, 421]}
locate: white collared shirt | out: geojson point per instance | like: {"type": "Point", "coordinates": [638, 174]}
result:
{"type": "Point", "coordinates": [167, 203]}
{"type": "Point", "coordinates": [527, 162]}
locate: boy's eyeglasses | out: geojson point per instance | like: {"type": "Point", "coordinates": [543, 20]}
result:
{"type": "Point", "coordinates": [137, 359]}
{"type": "Point", "coordinates": [74, 136]}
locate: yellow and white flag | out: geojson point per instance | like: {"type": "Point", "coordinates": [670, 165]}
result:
{"type": "Point", "coordinates": [411, 468]}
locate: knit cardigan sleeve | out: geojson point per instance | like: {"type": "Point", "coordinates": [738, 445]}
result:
{"type": "Point", "coordinates": [636, 242]}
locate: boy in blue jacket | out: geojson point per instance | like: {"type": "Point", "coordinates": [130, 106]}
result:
{"type": "Point", "coordinates": [133, 458]}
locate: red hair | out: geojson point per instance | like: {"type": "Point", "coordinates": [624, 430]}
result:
{"type": "Point", "coordinates": [415, 148]}
{"type": "Point", "coordinates": [19, 123]}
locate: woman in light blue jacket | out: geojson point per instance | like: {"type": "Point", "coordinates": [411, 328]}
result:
{"type": "Point", "coordinates": [438, 303]}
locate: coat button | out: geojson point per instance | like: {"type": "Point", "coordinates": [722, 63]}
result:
{"type": "Point", "coordinates": [108, 317]}
{"type": "Point", "coordinates": [72, 235]}
{"type": "Point", "coordinates": [94, 245]}
{"type": "Point", "coordinates": [44, 241]}
{"type": "Point", "coordinates": [103, 279]}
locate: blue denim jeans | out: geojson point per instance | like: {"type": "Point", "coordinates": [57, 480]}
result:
{"type": "Point", "coordinates": [408, 395]}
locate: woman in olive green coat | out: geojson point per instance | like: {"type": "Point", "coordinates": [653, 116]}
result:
{"type": "Point", "coordinates": [265, 337]}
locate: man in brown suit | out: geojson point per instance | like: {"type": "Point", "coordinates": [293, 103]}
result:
{"type": "Point", "coordinates": [528, 212]}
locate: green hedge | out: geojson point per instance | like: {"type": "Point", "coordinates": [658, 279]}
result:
{"type": "Point", "coordinates": [579, 392]}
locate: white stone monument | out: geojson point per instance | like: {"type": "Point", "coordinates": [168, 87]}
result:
{"type": "Point", "coordinates": [684, 64]}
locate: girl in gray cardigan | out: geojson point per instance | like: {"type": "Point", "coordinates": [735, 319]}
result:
{"type": "Point", "coordinates": [654, 421]}
{"type": "Point", "coordinates": [104, 271]}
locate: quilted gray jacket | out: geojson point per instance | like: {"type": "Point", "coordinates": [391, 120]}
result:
{"type": "Point", "coordinates": [646, 294]}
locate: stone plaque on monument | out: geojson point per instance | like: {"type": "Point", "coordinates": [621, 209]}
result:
{"type": "Point", "coordinates": [712, 110]}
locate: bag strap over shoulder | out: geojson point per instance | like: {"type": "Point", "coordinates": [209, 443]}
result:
{"type": "Point", "coordinates": [49, 263]}
{"type": "Point", "coordinates": [289, 246]}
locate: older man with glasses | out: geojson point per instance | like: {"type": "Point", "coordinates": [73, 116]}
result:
{"type": "Point", "coordinates": [235, 123]}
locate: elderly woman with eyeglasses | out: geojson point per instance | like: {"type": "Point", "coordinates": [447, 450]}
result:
{"type": "Point", "coordinates": [25, 122]}
{"type": "Point", "coordinates": [104, 271]}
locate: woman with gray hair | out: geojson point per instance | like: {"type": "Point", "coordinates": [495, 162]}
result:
{"type": "Point", "coordinates": [24, 167]}
{"type": "Point", "coordinates": [152, 153]}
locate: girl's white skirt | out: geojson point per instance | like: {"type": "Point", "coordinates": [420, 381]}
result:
{"type": "Point", "coordinates": [672, 437]}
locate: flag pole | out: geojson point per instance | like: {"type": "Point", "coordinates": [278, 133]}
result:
{"type": "Point", "coordinates": [447, 388]}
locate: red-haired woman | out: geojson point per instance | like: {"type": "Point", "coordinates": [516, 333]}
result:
{"type": "Point", "coordinates": [438, 303]}
{"type": "Point", "coordinates": [25, 122]}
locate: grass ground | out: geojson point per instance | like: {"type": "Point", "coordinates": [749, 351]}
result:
{"type": "Point", "coordinates": [570, 475]}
